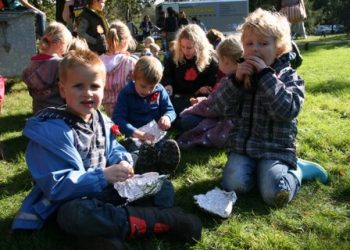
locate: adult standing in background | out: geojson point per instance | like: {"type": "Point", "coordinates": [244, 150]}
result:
{"type": "Point", "coordinates": [182, 19]}
{"type": "Point", "coordinates": [171, 25]}
{"type": "Point", "coordinates": [297, 28]}
{"type": "Point", "coordinates": [146, 26]}
{"type": "Point", "coordinates": [161, 24]}
{"type": "Point", "coordinates": [93, 26]}
{"type": "Point", "coordinates": [195, 20]}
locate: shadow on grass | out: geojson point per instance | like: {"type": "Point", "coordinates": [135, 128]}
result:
{"type": "Point", "coordinates": [309, 47]}
{"type": "Point", "coordinates": [13, 123]}
{"type": "Point", "coordinates": [14, 147]}
{"type": "Point", "coordinates": [329, 87]}
{"type": "Point", "coordinates": [10, 86]}
{"type": "Point", "coordinates": [198, 155]}
{"type": "Point", "coordinates": [17, 183]}
{"type": "Point", "coordinates": [50, 238]}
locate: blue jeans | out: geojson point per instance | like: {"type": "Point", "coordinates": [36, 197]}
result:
{"type": "Point", "coordinates": [40, 20]}
{"type": "Point", "coordinates": [190, 121]}
{"type": "Point", "coordinates": [102, 215]}
{"type": "Point", "coordinates": [242, 173]}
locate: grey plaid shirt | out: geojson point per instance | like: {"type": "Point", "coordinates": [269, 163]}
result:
{"type": "Point", "coordinates": [89, 137]}
{"type": "Point", "coordinates": [265, 118]}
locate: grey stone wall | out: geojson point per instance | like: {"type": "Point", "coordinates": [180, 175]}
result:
{"type": "Point", "coordinates": [17, 41]}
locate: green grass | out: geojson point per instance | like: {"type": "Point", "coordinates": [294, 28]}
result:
{"type": "Point", "coordinates": [319, 217]}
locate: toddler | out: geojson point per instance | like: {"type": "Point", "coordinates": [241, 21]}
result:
{"type": "Point", "coordinates": [202, 124]}
{"type": "Point", "coordinates": [119, 63]}
{"type": "Point", "coordinates": [140, 102]}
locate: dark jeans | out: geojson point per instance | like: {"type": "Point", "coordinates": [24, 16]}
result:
{"type": "Point", "coordinates": [40, 21]}
{"type": "Point", "coordinates": [104, 215]}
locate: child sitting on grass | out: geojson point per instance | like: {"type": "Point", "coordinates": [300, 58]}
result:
{"type": "Point", "coordinates": [264, 108]}
{"type": "Point", "coordinates": [75, 168]}
{"type": "Point", "coordinates": [202, 125]}
{"type": "Point", "coordinates": [140, 102]}
{"type": "Point", "coordinates": [41, 74]}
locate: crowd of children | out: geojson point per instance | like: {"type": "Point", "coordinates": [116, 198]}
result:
{"type": "Point", "coordinates": [244, 96]}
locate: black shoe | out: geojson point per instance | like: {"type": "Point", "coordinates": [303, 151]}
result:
{"type": "Point", "coordinates": [169, 157]}
{"type": "Point", "coordinates": [146, 221]}
{"type": "Point", "coordinates": [147, 159]}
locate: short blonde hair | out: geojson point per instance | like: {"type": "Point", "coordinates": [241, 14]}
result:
{"type": "Point", "coordinates": [149, 69]}
{"type": "Point", "coordinates": [85, 58]}
{"type": "Point", "coordinates": [231, 48]}
{"type": "Point", "coordinates": [119, 31]}
{"type": "Point", "coordinates": [154, 48]}
{"type": "Point", "coordinates": [78, 43]}
{"type": "Point", "coordinates": [148, 40]}
{"type": "Point", "coordinates": [269, 24]}
{"type": "Point", "coordinates": [204, 50]}
{"type": "Point", "coordinates": [55, 32]}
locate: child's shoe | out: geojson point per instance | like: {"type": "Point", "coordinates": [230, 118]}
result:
{"type": "Point", "coordinates": [311, 171]}
{"type": "Point", "coordinates": [169, 157]}
{"type": "Point", "coordinates": [146, 221]}
{"type": "Point", "coordinates": [307, 171]}
{"type": "Point", "coordinates": [147, 159]}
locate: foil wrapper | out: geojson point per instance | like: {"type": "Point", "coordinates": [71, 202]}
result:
{"type": "Point", "coordinates": [217, 201]}
{"type": "Point", "coordinates": [140, 186]}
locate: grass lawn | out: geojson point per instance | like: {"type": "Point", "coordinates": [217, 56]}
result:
{"type": "Point", "coordinates": [319, 217]}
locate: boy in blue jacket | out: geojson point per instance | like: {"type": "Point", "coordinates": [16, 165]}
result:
{"type": "Point", "coordinates": [74, 160]}
{"type": "Point", "coordinates": [140, 102]}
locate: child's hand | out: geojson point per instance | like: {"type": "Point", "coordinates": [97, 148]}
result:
{"type": "Point", "coordinates": [258, 63]}
{"type": "Point", "coordinates": [164, 123]}
{"type": "Point", "coordinates": [169, 89]}
{"type": "Point", "coordinates": [118, 172]}
{"type": "Point", "coordinates": [143, 136]}
{"type": "Point", "coordinates": [205, 90]}
{"type": "Point", "coordinates": [244, 69]}
{"type": "Point", "coordinates": [193, 101]}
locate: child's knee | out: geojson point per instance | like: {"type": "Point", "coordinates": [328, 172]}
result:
{"type": "Point", "coordinates": [276, 197]}
{"type": "Point", "coordinates": [72, 215]}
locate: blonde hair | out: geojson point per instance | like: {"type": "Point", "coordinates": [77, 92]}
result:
{"type": "Point", "coordinates": [78, 43]}
{"type": "Point", "coordinates": [148, 40]}
{"type": "Point", "coordinates": [55, 33]}
{"type": "Point", "coordinates": [149, 69]}
{"type": "Point", "coordinates": [154, 48]}
{"type": "Point", "coordinates": [172, 45]}
{"type": "Point", "coordinates": [231, 48]}
{"type": "Point", "coordinates": [203, 48]}
{"type": "Point", "coordinates": [118, 32]}
{"type": "Point", "coordinates": [85, 58]}
{"type": "Point", "coordinates": [269, 24]}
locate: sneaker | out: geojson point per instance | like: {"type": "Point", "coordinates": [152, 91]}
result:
{"type": "Point", "coordinates": [147, 159]}
{"type": "Point", "coordinates": [169, 157]}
